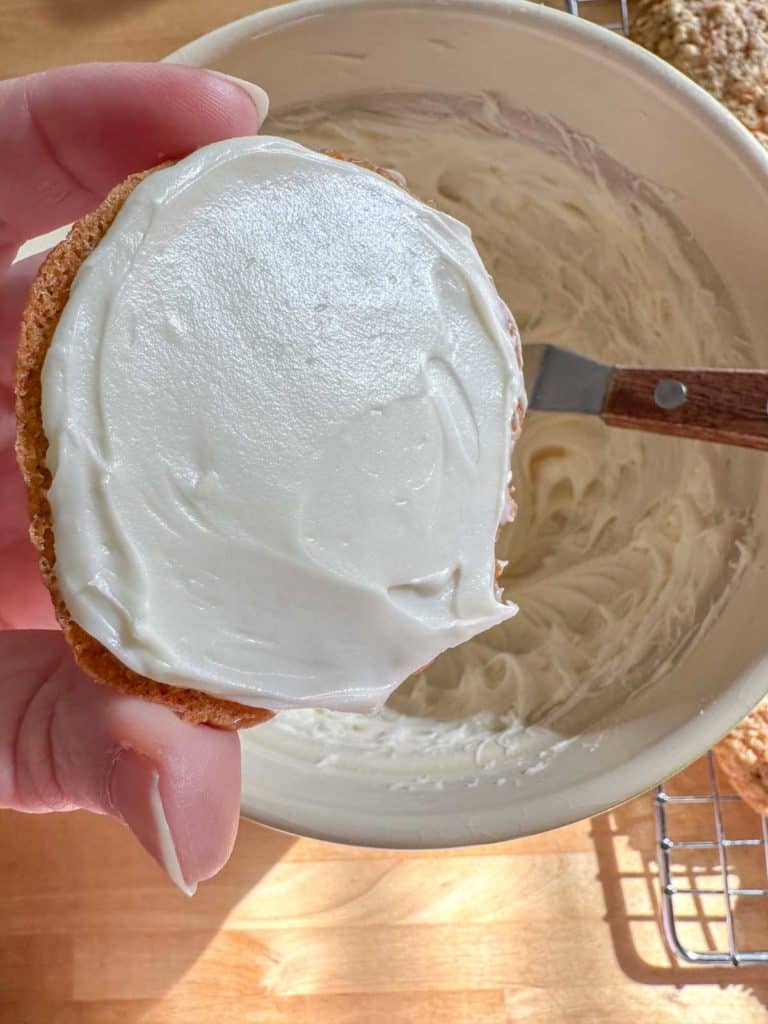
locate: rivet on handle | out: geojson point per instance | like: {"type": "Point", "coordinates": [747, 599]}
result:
{"type": "Point", "coordinates": [670, 393]}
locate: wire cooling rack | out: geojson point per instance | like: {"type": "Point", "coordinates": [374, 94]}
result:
{"type": "Point", "coordinates": [613, 14]}
{"type": "Point", "coordinates": [710, 878]}
{"type": "Point", "coordinates": [705, 880]}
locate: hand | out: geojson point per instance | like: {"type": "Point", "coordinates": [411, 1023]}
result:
{"type": "Point", "coordinates": [67, 136]}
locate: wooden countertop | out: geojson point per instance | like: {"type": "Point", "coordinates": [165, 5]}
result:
{"type": "Point", "coordinates": [562, 927]}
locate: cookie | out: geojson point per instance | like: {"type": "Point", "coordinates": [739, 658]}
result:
{"type": "Point", "coordinates": [47, 301]}
{"type": "Point", "coordinates": [743, 756]}
{"type": "Point", "coordinates": [721, 44]}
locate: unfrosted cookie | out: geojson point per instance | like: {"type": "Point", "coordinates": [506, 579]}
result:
{"type": "Point", "coordinates": [721, 44]}
{"type": "Point", "coordinates": [743, 756]}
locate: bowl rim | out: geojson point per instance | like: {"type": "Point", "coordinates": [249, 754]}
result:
{"type": "Point", "coordinates": [692, 739]}
{"type": "Point", "coordinates": [525, 11]}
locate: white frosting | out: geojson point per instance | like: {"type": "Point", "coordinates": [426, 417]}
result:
{"type": "Point", "coordinates": [626, 545]}
{"type": "Point", "coordinates": [278, 404]}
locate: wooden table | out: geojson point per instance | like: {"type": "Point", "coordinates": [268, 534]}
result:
{"type": "Point", "coordinates": [562, 927]}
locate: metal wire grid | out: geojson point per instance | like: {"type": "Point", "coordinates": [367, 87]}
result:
{"type": "Point", "coordinates": [606, 18]}
{"type": "Point", "coordinates": [615, 16]}
{"type": "Point", "coordinates": [722, 845]}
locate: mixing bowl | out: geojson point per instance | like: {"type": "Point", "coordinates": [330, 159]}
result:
{"type": "Point", "coordinates": [647, 118]}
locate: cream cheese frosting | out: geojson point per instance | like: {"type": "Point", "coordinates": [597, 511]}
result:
{"type": "Point", "coordinates": [626, 545]}
{"type": "Point", "coordinates": [279, 406]}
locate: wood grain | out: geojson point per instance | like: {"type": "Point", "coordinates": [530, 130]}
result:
{"type": "Point", "coordinates": [40, 34]}
{"type": "Point", "coordinates": [560, 927]}
{"type": "Point", "coordinates": [729, 406]}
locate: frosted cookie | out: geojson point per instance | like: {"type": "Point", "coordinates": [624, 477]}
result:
{"type": "Point", "coordinates": [266, 402]}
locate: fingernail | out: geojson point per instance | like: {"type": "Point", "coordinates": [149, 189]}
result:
{"type": "Point", "coordinates": [255, 93]}
{"type": "Point", "coordinates": [134, 790]}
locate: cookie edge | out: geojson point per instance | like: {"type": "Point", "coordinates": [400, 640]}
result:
{"type": "Point", "coordinates": [46, 301]}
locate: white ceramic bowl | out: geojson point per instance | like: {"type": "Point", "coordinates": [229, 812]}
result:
{"type": "Point", "coordinates": [656, 123]}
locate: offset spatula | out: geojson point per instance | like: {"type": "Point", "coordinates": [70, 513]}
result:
{"type": "Point", "coordinates": [730, 406]}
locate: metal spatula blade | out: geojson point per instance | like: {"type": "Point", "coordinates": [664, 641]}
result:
{"type": "Point", "coordinates": [558, 380]}
{"type": "Point", "coordinates": [729, 406]}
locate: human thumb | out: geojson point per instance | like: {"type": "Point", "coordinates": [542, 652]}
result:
{"type": "Point", "coordinates": [67, 742]}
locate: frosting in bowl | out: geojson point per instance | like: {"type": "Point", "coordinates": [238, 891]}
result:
{"type": "Point", "coordinates": [279, 406]}
{"type": "Point", "coordinates": [626, 545]}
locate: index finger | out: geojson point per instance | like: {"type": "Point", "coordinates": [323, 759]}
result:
{"type": "Point", "coordinates": [69, 135]}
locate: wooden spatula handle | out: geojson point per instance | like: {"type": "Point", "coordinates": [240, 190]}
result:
{"type": "Point", "coordinates": [730, 406]}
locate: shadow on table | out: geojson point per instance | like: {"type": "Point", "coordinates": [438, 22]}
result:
{"type": "Point", "coordinates": [82, 12]}
{"type": "Point", "coordinates": [91, 930]}
{"type": "Point", "coordinates": [625, 846]}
